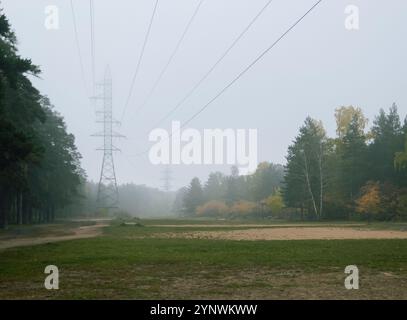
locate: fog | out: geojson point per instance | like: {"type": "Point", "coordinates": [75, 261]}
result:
{"type": "Point", "coordinates": [319, 66]}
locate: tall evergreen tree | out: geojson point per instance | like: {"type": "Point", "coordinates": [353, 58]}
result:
{"type": "Point", "coordinates": [388, 139]}
{"type": "Point", "coordinates": [193, 197]}
{"type": "Point", "coordinates": [305, 170]}
{"type": "Point", "coordinates": [352, 150]}
{"type": "Point", "coordinates": [39, 163]}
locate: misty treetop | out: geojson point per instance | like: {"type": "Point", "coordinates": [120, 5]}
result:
{"type": "Point", "coordinates": [234, 195]}
{"type": "Point", "coordinates": [360, 173]}
{"type": "Point", "coordinates": [39, 164]}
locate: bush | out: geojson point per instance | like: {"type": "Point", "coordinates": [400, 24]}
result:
{"type": "Point", "coordinates": [369, 202]}
{"type": "Point", "coordinates": [244, 208]}
{"type": "Point", "coordinates": [275, 204]}
{"type": "Point", "coordinates": [213, 209]}
{"type": "Point", "coordinates": [383, 201]}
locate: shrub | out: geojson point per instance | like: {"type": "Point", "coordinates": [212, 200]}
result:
{"type": "Point", "coordinates": [369, 201]}
{"type": "Point", "coordinates": [244, 208]}
{"type": "Point", "coordinates": [275, 204]}
{"type": "Point", "coordinates": [213, 209]}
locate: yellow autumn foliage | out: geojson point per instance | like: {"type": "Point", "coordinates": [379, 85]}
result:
{"type": "Point", "coordinates": [369, 202]}
{"type": "Point", "coordinates": [213, 209]}
{"type": "Point", "coordinates": [243, 208]}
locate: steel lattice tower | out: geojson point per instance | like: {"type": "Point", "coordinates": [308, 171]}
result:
{"type": "Point", "coordinates": [167, 179]}
{"type": "Point", "coordinates": [108, 196]}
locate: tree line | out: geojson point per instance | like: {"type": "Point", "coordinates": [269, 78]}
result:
{"type": "Point", "coordinates": [359, 173]}
{"type": "Point", "coordinates": [234, 195]}
{"type": "Point", "coordinates": [40, 170]}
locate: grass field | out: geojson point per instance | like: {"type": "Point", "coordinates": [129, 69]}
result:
{"type": "Point", "coordinates": [140, 262]}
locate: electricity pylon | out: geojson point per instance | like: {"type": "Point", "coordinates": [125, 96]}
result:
{"type": "Point", "coordinates": [108, 196]}
{"type": "Point", "coordinates": [167, 179]}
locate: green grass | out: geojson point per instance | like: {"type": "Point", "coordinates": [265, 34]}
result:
{"type": "Point", "coordinates": [127, 263]}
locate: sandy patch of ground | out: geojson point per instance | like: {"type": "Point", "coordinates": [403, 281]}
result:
{"type": "Point", "coordinates": [314, 233]}
{"type": "Point", "coordinates": [253, 225]}
{"type": "Point", "coordinates": [77, 233]}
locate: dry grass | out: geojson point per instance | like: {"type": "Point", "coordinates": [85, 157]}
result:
{"type": "Point", "coordinates": [210, 283]}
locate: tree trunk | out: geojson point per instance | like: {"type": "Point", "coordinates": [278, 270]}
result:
{"type": "Point", "coordinates": [30, 214]}
{"type": "Point", "coordinates": [4, 213]}
{"type": "Point", "coordinates": [19, 208]}
{"type": "Point", "coordinates": [3, 208]}
{"type": "Point", "coordinates": [48, 214]}
{"type": "Point", "coordinates": [321, 182]}
{"type": "Point", "coordinates": [309, 185]}
{"type": "Point", "coordinates": [52, 213]}
{"type": "Point", "coordinates": [24, 208]}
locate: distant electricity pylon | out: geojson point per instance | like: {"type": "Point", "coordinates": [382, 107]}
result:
{"type": "Point", "coordinates": [108, 196]}
{"type": "Point", "coordinates": [167, 179]}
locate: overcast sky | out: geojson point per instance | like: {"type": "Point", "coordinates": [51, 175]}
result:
{"type": "Point", "coordinates": [319, 66]}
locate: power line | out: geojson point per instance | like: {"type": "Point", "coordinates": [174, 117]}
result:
{"type": "Point", "coordinates": [231, 83]}
{"type": "Point", "coordinates": [164, 70]}
{"type": "Point", "coordinates": [92, 44]}
{"type": "Point", "coordinates": [79, 48]}
{"type": "Point", "coordinates": [209, 72]}
{"type": "Point", "coordinates": [250, 65]}
{"type": "Point", "coordinates": [139, 61]}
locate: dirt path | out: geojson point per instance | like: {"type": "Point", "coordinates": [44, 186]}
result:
{"type": "Point", "coordinates": [77, 233]}
{"type": "Point", "coordinates": [314, 233]}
